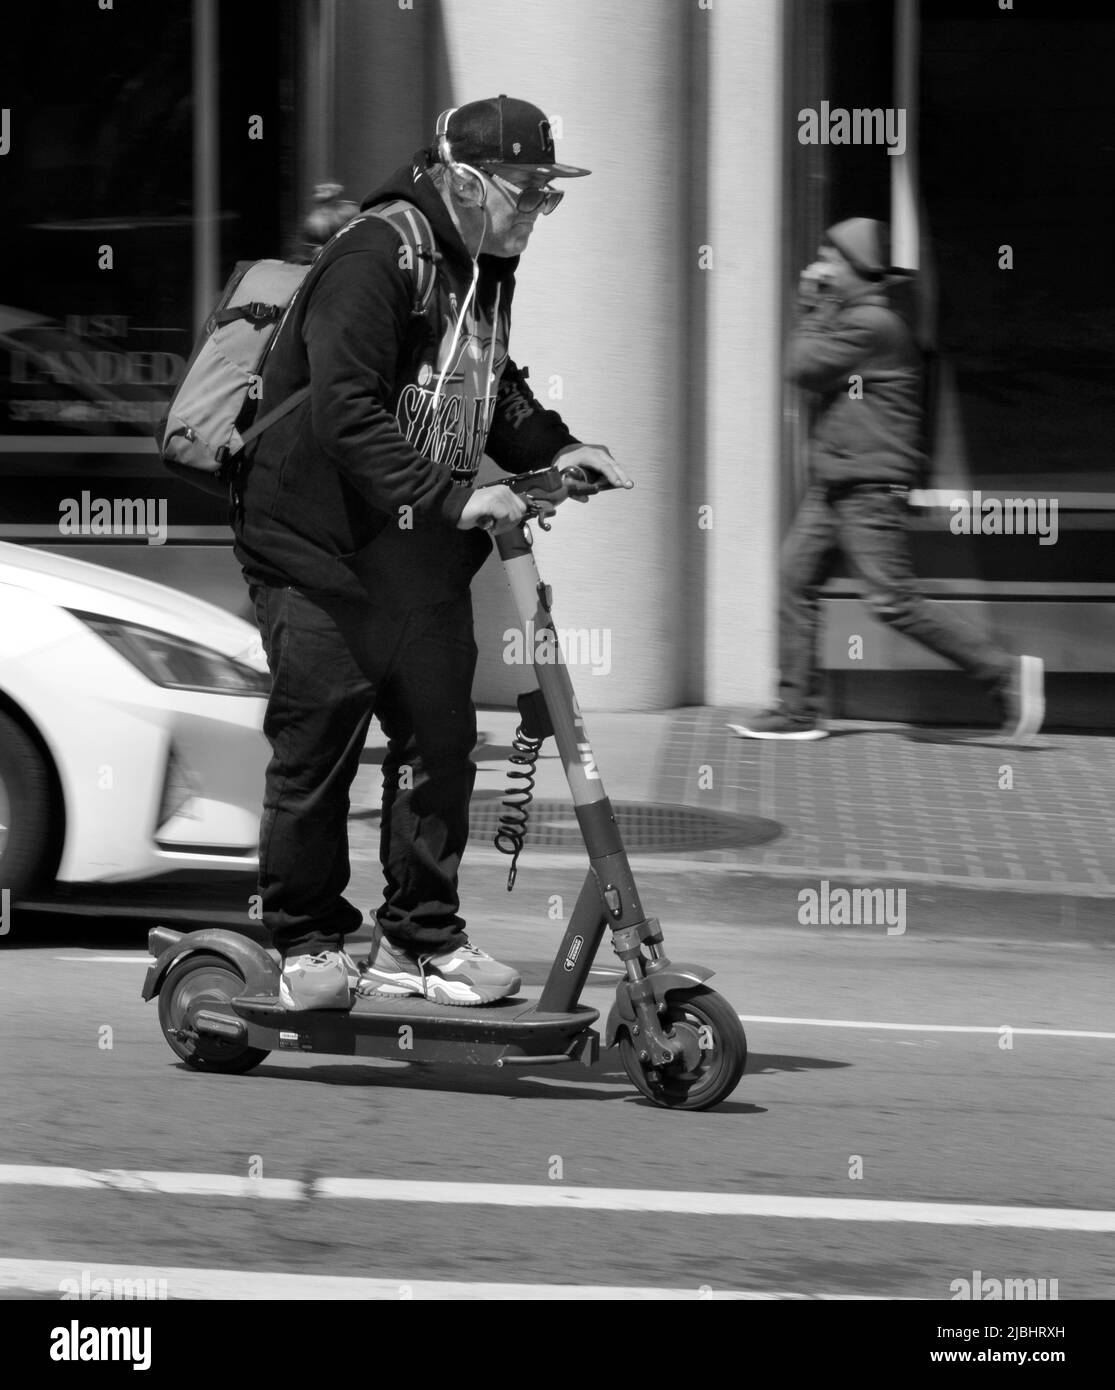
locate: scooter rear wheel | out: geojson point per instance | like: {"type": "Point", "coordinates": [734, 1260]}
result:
{"type": "Point", "coordinates": [211, 982]}
{"type": "Point", "coordinates": [713, 1052]}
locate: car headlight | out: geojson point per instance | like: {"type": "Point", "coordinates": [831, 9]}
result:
{"type": "Point", "coordinates": [174, 662]}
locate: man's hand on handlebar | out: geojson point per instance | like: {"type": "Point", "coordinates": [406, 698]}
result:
{"type": "Point", "coordinates": [495, 509]}
{"type": "Point", "coordinates": [598, 465]}
{"type": "Point", "coordinates": [577, 471]}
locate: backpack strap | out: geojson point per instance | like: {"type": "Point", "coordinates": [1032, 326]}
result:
{"type": "Point", "coordinates": [272, 417]}
{"type": "Point", "coordinates": [414, 228]}
{"type": "Point", "coordinates": [256, 312]}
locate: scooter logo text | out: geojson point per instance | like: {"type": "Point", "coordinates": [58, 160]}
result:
{"type": "Point", "coordinates": [574, 952]}
{"type": "Point", "coordinates": [588, 761]}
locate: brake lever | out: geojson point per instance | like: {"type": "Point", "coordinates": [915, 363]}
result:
{"type": "Point", "coordinates": [535, 513]}
{"type": "Point", "coordinates": [552, 479]}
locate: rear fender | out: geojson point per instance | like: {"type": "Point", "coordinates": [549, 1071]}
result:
{"type": "Point", "coordinates": [677, 975]}
{"type": "Point", "coordinates": [261, 973]}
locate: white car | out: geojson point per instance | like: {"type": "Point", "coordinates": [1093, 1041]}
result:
{"type": "Point", "coordinates": [131, 718]}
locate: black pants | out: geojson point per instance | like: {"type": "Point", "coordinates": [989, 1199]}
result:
{"type": "Point", "coordinates": [334, 664]}
{"type": "Point", "coordinates": [868, 525]}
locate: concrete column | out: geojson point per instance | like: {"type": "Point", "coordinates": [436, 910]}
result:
{"type": "Point", "coordinates": [904, 167]}
{"type": "Point", "coordinates": [207, 174]}
{"type": "Point", "coordinates": [600, 318]}
{"type": "Point", "coordinates": [390, 75]}
{"type": "Point", "coordinates": [675, 105]}
{"type": "Point", "coordinates": [744, 350]}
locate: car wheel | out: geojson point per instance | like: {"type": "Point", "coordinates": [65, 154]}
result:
{"type": "Point", "coordinates": [24, 809]}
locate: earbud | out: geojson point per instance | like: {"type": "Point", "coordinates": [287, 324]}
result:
{"type": "Point", "coordinates": [468, 185]}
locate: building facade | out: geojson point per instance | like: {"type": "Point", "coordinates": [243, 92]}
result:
{"type": "Point", "coordinates": [651, 309]}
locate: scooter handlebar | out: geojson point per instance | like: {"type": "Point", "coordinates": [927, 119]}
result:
{"type": "Point", "coordinates": [577, 482]}
{"type": "Point", "coordinates": [573, 479]}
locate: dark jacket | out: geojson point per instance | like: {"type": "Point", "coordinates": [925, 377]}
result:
{"type": "Point", "coordinates": [357, 492]}
{"type": "Point", "coordinates": [878, 438]}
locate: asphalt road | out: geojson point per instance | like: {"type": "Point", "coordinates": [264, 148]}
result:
{"type": "Point", "coordinates": [879, 1070]}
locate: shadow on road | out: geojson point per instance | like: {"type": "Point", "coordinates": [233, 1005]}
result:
{"type": "Point", "coordinates": [975, 738]}
{"type": "Point", "coordinates": [113, 915]}
{"type": "Point", "coordinates": [604, 1082]}
{"type": "Point", "coordinates": [768, 1062]}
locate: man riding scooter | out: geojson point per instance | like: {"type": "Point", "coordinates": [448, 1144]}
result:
{"type": "Point", "coordinates": [360, 532]}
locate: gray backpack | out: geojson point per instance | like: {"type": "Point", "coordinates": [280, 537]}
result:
{"type": "Point", "coordinates": [211, 418]}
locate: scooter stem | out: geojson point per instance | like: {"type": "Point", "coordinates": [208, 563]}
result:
{"type": "Point", "coordinates": [617, 902]}
{"type": "Point", "coordinates": [532, 602]}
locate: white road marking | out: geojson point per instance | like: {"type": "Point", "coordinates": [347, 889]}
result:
{"type": "Point", "coordinates": [565, 1198]}
{"type": "Point", "coordinates": [927, 1027]}
{"type": "Point", "coordinates": [110, 960]}
{"type": "Point", "coordinates": [611, 973]}
{"type": "Point", "coordinates": [608, 971]}
{"type": "Point", "coordinates": [46, 1276]}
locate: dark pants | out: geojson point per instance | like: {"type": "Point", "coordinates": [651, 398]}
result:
{"type": "Point", "coordinates": [868, 525]}
{"type": "Point", "coordinates": [334, 664]}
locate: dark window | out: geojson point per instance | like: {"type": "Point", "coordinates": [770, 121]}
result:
{"type": "Point", "coordinates": [103, 110]}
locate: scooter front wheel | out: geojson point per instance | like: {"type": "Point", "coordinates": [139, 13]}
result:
{"type": "Point", "coordinates": [209, 982]}
{"type": "Point", "coordinates": [712, 1052]}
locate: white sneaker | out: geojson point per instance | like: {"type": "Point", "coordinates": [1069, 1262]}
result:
{"type": "Point", "coordinates": [464, 976]}
{"type": "Point", "coordinates": [1023, 699]}
{"type": "Point", "coordinates": [321, 981]}
{"type": "Point", "coordinates": [775, 723]}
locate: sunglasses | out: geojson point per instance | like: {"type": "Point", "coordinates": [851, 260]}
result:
{"type": "Point", "coordinates": [528, 199]}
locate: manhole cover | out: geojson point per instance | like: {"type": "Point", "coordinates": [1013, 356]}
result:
{"type": "Point", "coordinates": [553, 825]}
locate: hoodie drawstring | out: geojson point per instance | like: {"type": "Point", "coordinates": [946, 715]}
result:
{"type": "Point", "coordinates": [451, 356]}
{"type": "Point", "coordinates": [491, 357]}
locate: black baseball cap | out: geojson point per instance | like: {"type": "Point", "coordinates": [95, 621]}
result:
{"type": "Point", "coordinates": [503, 130]}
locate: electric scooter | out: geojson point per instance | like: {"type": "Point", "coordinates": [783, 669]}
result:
{"type": "Point", "coordinates": [680, 1043]}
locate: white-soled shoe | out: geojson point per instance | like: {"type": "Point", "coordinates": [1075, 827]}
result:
{"type": "Point", "coordinates": [776, 723]}
{"type": "Point", "coordinates": [1023, 699]}
{"type": "Point", "coordinates": [465, 976]}
{"type": "Point", "coordinates": [323, 980]}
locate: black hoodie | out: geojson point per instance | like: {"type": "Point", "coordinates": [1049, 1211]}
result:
{"type": "Point", "coordinates": [869, 433]}
{"type": "Point", "coordinates": [357, 493]}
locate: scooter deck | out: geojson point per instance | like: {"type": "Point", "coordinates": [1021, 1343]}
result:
{"type": "Point", "coordinates": [414, 1029]}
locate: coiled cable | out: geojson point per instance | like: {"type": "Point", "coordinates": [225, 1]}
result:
{"type": "Point", "coordinates": [514, 818]}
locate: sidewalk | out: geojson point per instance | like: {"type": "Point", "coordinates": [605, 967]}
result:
{"type": "Point", "coordinates": [878, 802]}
